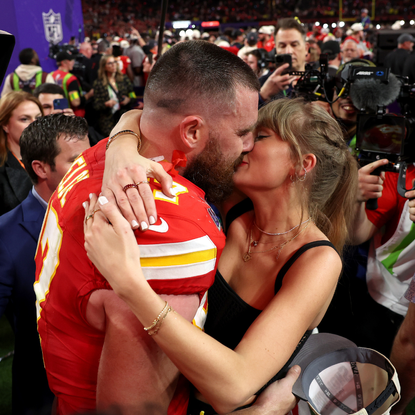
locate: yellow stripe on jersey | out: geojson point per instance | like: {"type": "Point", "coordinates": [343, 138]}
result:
{"type": "Point", "coordinates": [178, 260]}
{"type": "Point", "coordinates": [73, 95]}
{"type": "Point", "coordinates": [191, 258]}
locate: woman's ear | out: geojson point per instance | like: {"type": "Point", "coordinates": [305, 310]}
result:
{"type": "Point", "coordinates": [193, 131]}
{"type": "Point", "coordinates": [309, 162]}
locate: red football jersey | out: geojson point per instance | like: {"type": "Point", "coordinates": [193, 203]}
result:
{"type": "Point", "coordinates": [179, 255]}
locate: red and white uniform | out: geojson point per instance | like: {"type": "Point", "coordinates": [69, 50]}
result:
{"type": "Point", "coordinates": [178, 256]}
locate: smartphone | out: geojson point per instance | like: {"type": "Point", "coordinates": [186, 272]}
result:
{"type": "Point", "coordinates": [281, 59]}
{"type": "Point", "coordinates": [60, 104]}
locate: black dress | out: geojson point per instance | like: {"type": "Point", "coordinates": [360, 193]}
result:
{"type": "Point", "coordinates": [229, 316]}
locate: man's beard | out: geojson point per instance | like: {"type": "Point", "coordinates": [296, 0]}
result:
{"type": "Point", "coordinates": [212, 171]}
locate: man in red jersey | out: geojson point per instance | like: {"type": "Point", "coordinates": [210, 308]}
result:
{"type": "Point", "coordinates": [200, 105]}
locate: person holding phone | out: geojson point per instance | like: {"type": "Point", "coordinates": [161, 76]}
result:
{"type": "Point", "coordinates": [52, 98]}
{"type": "Point", "coordinates": [289, 39]}
{"type": "Point", "coordinates": [113, 92]}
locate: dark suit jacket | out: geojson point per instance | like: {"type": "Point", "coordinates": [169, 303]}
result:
{"type": "Point", "coordinates": [19, 232]}
{"type": "Point", "coordinates": [14, 184]}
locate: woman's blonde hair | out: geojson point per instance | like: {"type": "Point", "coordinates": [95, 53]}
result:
{"type": "Point", "coordinates": [8, 103]}
{"type": "Point", "coordinates": [102, 73]}
{"type": "Point", "coordinates": [331, 186]}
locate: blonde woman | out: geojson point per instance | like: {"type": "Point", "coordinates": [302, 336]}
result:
{"type": "Point", "coordinates": [112, 94]}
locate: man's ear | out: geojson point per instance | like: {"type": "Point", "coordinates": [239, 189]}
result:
{"type": "Point", "coordinates": [41, 169]}
{"type": "Point", "coordinates": [193, 131]}
{"type": "Point", "coordinates": [307, 48]}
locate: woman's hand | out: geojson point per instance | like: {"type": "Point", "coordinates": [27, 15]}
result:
{"type": "Point", "coordinates": [123, 166]}
{"type": "Point", "coordinates": [110, 103]}
{"type": "Point", "coordinates": [110, 243]}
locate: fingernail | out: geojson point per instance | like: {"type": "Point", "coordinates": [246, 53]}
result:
{"type": "Point", "coordinates": [144, 226]}
{"type": "Point", "coordinates": [102, 200]}
{"type": "Point", "coordinates": [134, 223]}
{"type": "Point", "coordinates": [90, 196]}
{"type": "Point", "coordinates": [84, 205]}
{"type": "Point", "coordinates": [152, 220]}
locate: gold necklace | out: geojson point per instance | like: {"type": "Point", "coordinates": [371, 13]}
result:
{"type": "Point", "coordinates": [247, 256]}
{"type": "Point", "coordinates": [280, 233]}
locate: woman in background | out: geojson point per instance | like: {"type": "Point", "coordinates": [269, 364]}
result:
{"type": "Point", "coordinates": [18, 109]}
{"type": "Point", "coordinates": [113, 92]}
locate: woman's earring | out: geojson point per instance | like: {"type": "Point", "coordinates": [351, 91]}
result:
{"type": "Point", "coordinates": [302, 178]}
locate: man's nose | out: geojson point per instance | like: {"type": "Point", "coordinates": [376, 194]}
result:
{"type": "Point", "coordinates": [248, 143]}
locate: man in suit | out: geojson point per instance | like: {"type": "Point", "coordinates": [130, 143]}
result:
{"type": "Point", "coordinates": [48, 148]}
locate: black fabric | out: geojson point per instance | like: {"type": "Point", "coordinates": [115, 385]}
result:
{"type": "Point", "coordinates": [15, 184]}
{"type": "Point", "coordinates": [396, 61]}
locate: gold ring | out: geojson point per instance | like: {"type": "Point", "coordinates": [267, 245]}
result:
{"type": "Point", "coordinates": [143, 182]}
{"type": "Point", "coordinates": [92, 214]}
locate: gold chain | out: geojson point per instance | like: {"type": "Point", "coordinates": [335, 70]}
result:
{"type": "Point", "coordinates": [247, 256]}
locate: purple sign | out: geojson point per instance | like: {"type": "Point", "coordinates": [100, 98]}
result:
{"type": "Point", "coordinates": [38, 24]}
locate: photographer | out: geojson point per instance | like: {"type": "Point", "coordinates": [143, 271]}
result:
{"type": "Point", "coordinates": [369, 306]}
{"type": "Point", "coordinates": [112, 96]}
{"type": "Point", "coordinates": [289, 39]}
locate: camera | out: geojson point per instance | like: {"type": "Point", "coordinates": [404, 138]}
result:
{"type": "Point", "coordinates": [371, 89]}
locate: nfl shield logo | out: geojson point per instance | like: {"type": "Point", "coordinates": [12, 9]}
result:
{"type": "Point", "coordinates": [53, 27]}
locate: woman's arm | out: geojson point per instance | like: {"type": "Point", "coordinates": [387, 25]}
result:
{"type": "Point", "coordinates": [227, 378]}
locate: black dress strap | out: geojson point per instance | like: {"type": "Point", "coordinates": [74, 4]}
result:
{"type": "Point", "coordinates": [238, 210]}
{"type": "Point", "coordinates": [294, 257]}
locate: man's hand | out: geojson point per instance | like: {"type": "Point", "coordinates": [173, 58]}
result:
{"type": "Point", "coordinates": [276, 83]}
{"type": "Point", "coordinates": [371, 186]}
{"type": "Point", "coordinates": [67, 111]}
{"type": "Point", "coordinates": [277, 398]}
{"type": "Point", "coordinates": [411, 195]}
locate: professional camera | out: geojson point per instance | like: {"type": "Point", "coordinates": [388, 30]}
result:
{"type": "Point", "coordinates": [371, 89]}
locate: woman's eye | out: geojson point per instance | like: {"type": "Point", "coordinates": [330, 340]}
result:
{"type": "Point", "coordinates": [260, 137]}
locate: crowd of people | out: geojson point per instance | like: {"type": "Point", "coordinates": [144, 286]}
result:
{"type": "Point", "coordinates": [117, 16]}
{"type": "Point", "coordinates": [124, 242]}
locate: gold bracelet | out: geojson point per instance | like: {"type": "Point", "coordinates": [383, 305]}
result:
{"type": "Point", "coordinates": [111, 139]}
{"type": "Point", "coordinates": [159, 323]}
{"type": "Point", "coordinates": [166, 305]}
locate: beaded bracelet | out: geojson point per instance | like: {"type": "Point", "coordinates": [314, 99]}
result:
{"type": "Point", "coordinates": [111, 139]}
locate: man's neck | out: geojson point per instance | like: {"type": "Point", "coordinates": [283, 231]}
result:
{"type": "Point", "coordinates": [43, 190]}
{"type": "Point", "coordinates": [63, 69]}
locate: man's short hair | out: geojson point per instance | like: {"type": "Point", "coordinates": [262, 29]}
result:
{"type": "Point", "coordinates": [39, 139]}
{"type": "Point", "coordinates": [290, 23]}
{"type": "Point", "coordinates": [103, 46]}
{"type": "Point", "coordinates": [48, 89]}
{"type": "Point", "coordinates": [26, 56]}
{"type": "Point", "coordinates": [197, 73]}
